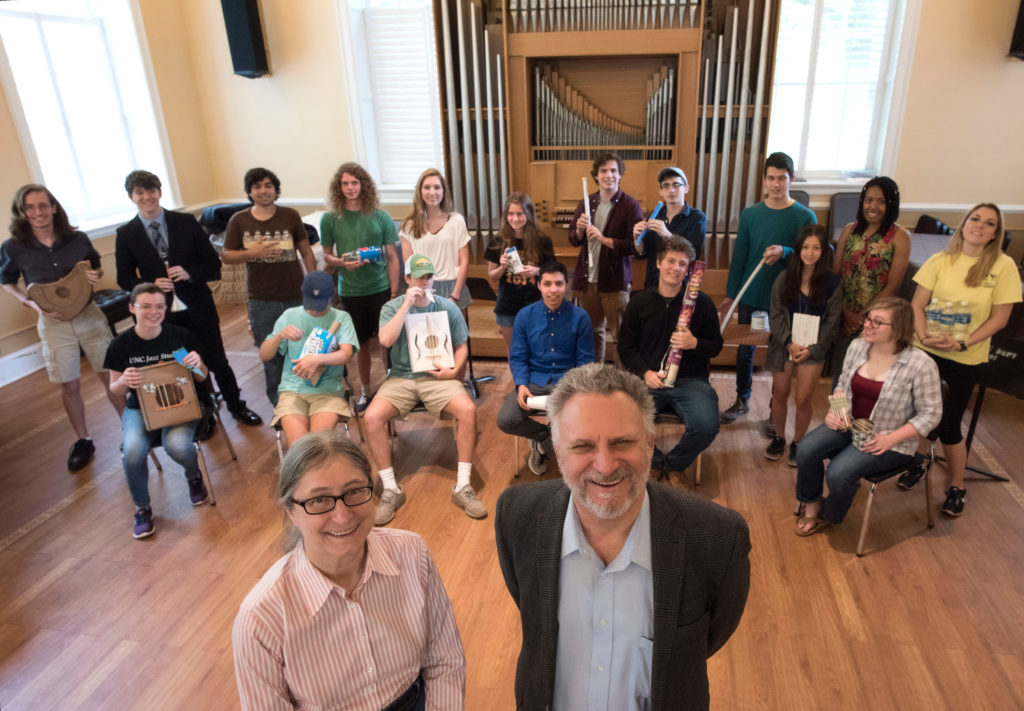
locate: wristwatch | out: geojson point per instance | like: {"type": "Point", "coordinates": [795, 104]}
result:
{"type": "Point", "coordinates": [963, 346]}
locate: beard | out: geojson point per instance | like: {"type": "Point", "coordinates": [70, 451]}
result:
{"type": "Point", "coordinates": [580, 485]}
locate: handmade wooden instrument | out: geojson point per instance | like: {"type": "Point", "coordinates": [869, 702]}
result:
{"type": "Point", "coordinates": [320, 341]}
{"type": "Point", "coordinates": [670, 365]}
{"type": "Point", "coordinates": [167, 395]}
{"type": "Point", "coordinates": [67, 296]}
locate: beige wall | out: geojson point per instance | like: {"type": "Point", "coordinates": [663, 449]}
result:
{"type": "Point", "coordinates": [963, 128]}
{"type": "Point", "coordinates": [961, 138]}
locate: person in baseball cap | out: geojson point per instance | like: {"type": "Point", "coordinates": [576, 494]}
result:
{"type": "Point", "coordinates": [317, 289]}
{"type": "Point", "coordinates": [418, 266]}
{"type": "Point", "coordinates": [673, 218]}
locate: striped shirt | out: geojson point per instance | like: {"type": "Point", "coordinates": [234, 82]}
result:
{"type": "Point", "coordinates": [302, 642]}
{"type": "Point", "coordinates": [911, 392]}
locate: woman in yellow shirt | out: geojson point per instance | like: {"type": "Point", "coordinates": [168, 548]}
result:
{"type": "Point", "coordinates": [964, 295]}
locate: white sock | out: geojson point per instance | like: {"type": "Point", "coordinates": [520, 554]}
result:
{"type": "Point", "coordinates": [364, 387]}
{"type": "Point", "coordinates": [465, 469]}
{"type": "Point", "coordinates": [387, 478]}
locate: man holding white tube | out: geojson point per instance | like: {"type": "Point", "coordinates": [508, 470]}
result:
{"type": "Point", "coordinates": [767, 232]}
{"type": "Point", "coordinates": [549, 338]}
{"type": "Point", "coordinates": [649, 329]}
{"type": "Point", "coordinates": [602, 227]}
{"type": "Point", "coordinates": [673, 218]}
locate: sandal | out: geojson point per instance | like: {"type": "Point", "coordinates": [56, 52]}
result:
{"type": "Point", "coordinates": [817, 524]}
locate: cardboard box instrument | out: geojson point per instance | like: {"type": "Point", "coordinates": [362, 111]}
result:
{"type": "Point", "coordinates": [67, 296]}
{"type": "Point", "coordinates": [167, 395]}
{"type": "Point", "coordinates": [317, 342]}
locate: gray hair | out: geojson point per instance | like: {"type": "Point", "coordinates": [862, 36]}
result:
{"type": "Point", "coordinates": [310, 452]}
{"type": "Point", "coordinates": [599, 379]}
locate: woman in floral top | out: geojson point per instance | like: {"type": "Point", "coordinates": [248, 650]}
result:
{"type": "Point", "coordinates": [871, 258]}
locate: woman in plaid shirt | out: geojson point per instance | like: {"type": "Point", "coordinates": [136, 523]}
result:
{"type": "Point", "coordinates": [886, 380]}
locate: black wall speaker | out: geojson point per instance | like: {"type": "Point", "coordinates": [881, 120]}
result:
{"type": "Point", "coordinates": [1017, 43]}
{"type": "Point", "coordinates": [245, 37]}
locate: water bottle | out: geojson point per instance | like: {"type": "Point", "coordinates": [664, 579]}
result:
{"type": "Point", "coordinates": [933, 317]}
{"type": "Point", "coordinates": [364, 254]}
{"type": "Point", "coordinates": [515, 264]}
{"type": "Point", "coordinates": [962, 326]}
{"type": "Point", "coordinates": [948, 318]}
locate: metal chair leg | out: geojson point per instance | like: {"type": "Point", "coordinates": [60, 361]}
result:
{"type": "Point", "coordinates": [696, 480]}
{"type": "Point", "coordinates": [280, 448]}
{"type": "Point", "coordinates": [156, 462]}
{"type": "Point", "coordinates": [205, 474]}
{"type": "Point", "coordinates": [928, 489]}
{"type": "Point", "coordinates": [864, 526]}
{"type": "Point", "coordinates": [224, 432]}
{"type": "Point", "coordinates": [515, 462]}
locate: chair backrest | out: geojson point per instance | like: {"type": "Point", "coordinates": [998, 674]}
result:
{"type": "Point", "coordinates": [842, 210]}
{"type": "Point", "coordinates": [801, 196]}
{"type": "Point", "coordinates": [928, 225]}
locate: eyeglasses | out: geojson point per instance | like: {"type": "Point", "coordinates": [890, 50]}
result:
{"type": "Point", "coordinates": [875, 322]}
{"type": "Point", "coordinates": [673, 186]}
{"type": "Point", "coordinates": [326, 502]}
{"type": "Point", "coordinates": [151, 307]}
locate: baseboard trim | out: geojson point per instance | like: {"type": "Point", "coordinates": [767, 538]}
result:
{"type": "Point", "coordinates": [15, 366]}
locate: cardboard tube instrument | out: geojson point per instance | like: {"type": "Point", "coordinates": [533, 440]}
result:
{"type": "Point", "coordinates": [670, 365]}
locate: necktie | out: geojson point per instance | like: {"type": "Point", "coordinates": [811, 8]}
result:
{"type": "Point", "coordinates": [158, 240]}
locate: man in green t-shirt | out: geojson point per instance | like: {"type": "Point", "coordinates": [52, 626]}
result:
{"type": "Point", "coordinates": [768, 230]}
{"type": "Point", "coordinates": [368, 280]}
{"type": "Point", "coordinates": [440, 390]}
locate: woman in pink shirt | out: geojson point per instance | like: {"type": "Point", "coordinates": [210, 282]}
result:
{"type": "Point", "coordinates": [351, 617]}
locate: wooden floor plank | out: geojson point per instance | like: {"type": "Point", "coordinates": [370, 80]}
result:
{"type": "Point", "coordinates": [92, 619]}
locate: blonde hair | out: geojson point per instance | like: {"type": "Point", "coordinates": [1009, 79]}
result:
{"type": "Point", "coordinates": [415, 225]}
{"type": "Point", "coordinates": [989, 254]}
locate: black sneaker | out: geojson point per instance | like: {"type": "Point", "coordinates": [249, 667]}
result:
{"type": "Point", "coordinates": [206, 426]}
{"type": "Point", "coordinates": [768, 429]}
{"type": "Point", "coordinates": [81, 454]}
{"type": "Point", "coordinates": [775, 448]}
{"type": "Point", "coordinates": [915, 472]}
{"type": "Point", "coordinates": [197, 492]}
{"type": "Point", "coordinates": [739, 407]}
{"type": "Point", "coordinates": [955, 499]}
{"type": "Point", "coordinates": [792, 454]}
{"type": "Point", "coordinates": [143, 523]}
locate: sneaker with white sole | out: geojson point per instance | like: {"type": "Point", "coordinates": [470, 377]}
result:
{"type": "Point", "coordinates": [955, 499]}
{"type": "Point", "coordinates": [143, 525]}
{"type": "Point", "coordinates": [915, 472]}
{"type": "Point", "coordinates": [538, 461]}
{"type": "Point", "coordinates": [390, 502]}
{"type": "Point", "coordinates": [775, 448]}
{"type": "Point", "coordinates": [465, 499]}
{"type": "Point", "coordinates": [197, 492]}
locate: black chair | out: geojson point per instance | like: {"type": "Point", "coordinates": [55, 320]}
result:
{"type": "Point", "coordinates": [801, 196]}
{"type": "Point", "coordinates": [349, 396]}
{"type": "Point", "coordinates": [670, 418]}
{"type": "Point", "coordinates": [114, 305]}
{"type": "Point", "coordinates": [928, 225]}
{"type": "Point", "coordinates": [842, 210]}
{"type": "Point", "coordinates": [876, 479]}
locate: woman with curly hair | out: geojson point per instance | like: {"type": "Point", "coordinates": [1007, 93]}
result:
{"type": "Point", "coordinates": [436, 231]}
{"type": "Point", "coordinates": [871, 258]}
{"type": "Point", "coordinates": [982, 284]}
{"type": "Point", "coordinates": [366, 282]}
{"type": "Point", "coordinates": [806, 287]}
{"type": "Point", "coordinates": [517, 289]}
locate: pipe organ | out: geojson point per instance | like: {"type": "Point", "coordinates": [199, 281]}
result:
{"type": "Point", "coordinates": [533, 90]}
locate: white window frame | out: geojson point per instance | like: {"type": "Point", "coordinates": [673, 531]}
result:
{"type": "Point", "coordinates": [101, 226]}
{"type": "Point", "coordinates": [361, 102]}
{"type": "Point", "coordinates": [891, 110]}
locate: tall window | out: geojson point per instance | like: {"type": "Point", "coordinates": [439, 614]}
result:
{"type": "Point", "coordinates": [833, 86]}
{"type": "Point", "coordinates": [75, 80]}
{"type": "Point", "coordinates": [394, 56]}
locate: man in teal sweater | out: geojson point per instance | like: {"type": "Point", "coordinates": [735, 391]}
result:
{"type": "Point", "coordinates": [768, 230]}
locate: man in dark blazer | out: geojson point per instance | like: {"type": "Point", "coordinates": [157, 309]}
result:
{"type": "Point", "coordinates": [696, 565]}
{"type": "Point", "coordinates": [171, 250]}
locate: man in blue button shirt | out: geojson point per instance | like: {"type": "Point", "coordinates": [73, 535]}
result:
{"type": "Point", "coordinates": [549, 337]}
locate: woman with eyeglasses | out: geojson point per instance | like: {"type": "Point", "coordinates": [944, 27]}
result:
{"type": "Point", "coordinates": [351, 616]}
{"type": "Point", "coordinates": [885, 380]}
{"type": "Point", "coordinates": [964, 295]}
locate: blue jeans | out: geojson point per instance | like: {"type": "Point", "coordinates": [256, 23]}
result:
{"type": "Point", "coordinates": [844, 473]}
{"type": "Point", "coordinates": [744, 357]}
{"type": "Point", "coordinates": [176, 441]}
{"type": "Point", "coordinates": [262, 317]}
{"type": "Point", "coordinates": [695, 402]}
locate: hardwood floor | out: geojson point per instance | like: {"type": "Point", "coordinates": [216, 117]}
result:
{"type": "Point", "coordinates": [92, 619]}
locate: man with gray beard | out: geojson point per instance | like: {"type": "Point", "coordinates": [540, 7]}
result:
{"type": "Point", "coordinates": [625, 587]}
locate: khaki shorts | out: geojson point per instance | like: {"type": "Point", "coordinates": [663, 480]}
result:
{"type": "Point", "coordinates": [289, 403]}
{"type": "Point", "coordinates": [405, 393]}
{"type": "Point", "coordinates": [62, 339]}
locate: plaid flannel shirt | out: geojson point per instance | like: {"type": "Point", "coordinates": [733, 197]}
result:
{"type": "Point", "coordinates": [912, 392]}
